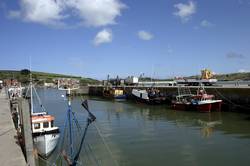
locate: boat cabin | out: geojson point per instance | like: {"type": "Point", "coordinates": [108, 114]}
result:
{"type": "Point", "coordinates": [117, 92]}
{"type": "Point", "coordinates": [114, 92]}
{"type": "Point", "coordinates": [42, 122]}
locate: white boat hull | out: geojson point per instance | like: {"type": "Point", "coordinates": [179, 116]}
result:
{"type": "Point", "coordinates": [45, 144]}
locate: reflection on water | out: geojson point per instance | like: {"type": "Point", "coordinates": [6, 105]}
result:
{"type": "Point", "coordinates": [139, 134]}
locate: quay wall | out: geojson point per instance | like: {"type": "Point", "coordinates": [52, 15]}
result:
{"type": "Point", "coordinates": [234, 98]}
{"type": "Point", "coordinates": [19, 112]}
{"type": "Point", "coordinates": [10, 152]}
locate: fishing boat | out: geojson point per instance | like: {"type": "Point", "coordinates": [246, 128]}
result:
{"type": "Point", "coordinates": [114, 93]}
{"type": "Point", "coordinates": [205, 102]}
{"type": "Point", "coordinates": [45, 134]}
{"type": "Point", "coordinates": [201, 102]}
{"type": "Point", "coordinates": [149, 96]}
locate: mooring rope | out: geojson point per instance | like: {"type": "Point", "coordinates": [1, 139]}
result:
{"type": "Point", "coordinates": [91, 151]}
{"type": "Point", "coordinates": [231, 101]}
{"type": "Point", "coordinates": [104, 142]}
{"type": "Point", "coordinates": [106, 145]}
{"type": "Point", "coordinates": [39, 100]}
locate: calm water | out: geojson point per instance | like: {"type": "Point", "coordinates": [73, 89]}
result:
{"type": "Point", "coordinates": [139, 134]}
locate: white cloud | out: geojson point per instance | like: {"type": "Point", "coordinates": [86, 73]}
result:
{"type": "Point", "coordinates": [185, 11]}
{"type": "Point", "coordinates": [104, 36]}
{"type": "Point", "coordinates": [54, 12]}
{"type": "Point", "coordinates": [97, 12]}
{"type": "Point", "coordinates": [144, 35]}
{"type": "Point", "coordinates": [243, 71]}
{"type": "Point", "coordinates": [47, 12]}
{"type": "Point", "coordinates": [206, 24]}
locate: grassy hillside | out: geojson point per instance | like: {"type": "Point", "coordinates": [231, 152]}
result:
{"type": "Point", "coordinates": [40, 76]}
{"type": "Point", "coordinates": [233, 76]}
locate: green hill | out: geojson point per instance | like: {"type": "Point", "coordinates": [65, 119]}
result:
{"type": "Point", "coordinates": [23, 76]}
{"type": "Point", "coordinates": [233, 76]}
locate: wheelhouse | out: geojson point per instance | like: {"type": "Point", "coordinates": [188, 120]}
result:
{"type": "Point", "coordinates": [42, 122]}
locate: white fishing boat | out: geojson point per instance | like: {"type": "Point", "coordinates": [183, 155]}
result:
{"type": "Point", "coordinates": [149, 96]}
{"type": "Point", "coordinates": [45, 134]}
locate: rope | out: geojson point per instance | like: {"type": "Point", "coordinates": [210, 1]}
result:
{"type": "Point", "coordinates": [45, 161]}
{"type": "Point", "coordinates": [39, 100]}
{"type": "Point", "coordinates": [62, 140]}
{"type": "Point", "coordinates": [76, 122]}
{"type": "Point", "coordinates": [231, 101]}
{"type": "Point", "coordinates": [107, 147]}
{"type": "Point", "coordinates": [88, 145]}
{"type": "Point", "coordinates": [104, 142]}
{"type": "Point", "coordinates": [87, 156]}
{"type": "Point", "coordinates": [94, 157]}
{"type": "Point", "coordinates": [27, 92]}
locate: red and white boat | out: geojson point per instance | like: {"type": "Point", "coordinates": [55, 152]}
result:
{"type": "Point", "coordinates": [201, 102]}
{"type": "Point", "coordinates": [45, 134]}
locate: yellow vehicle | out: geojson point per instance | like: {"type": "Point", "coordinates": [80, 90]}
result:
{"type": "Point", "coordinates": [206, 74]}
{"type": "Point", "coordinates": [205, 79]}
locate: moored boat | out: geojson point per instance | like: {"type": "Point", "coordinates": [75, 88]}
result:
{"type": "Point", "coordinates": [149, 96]}
{"type": "Point", "coordinates": [115, 93]}
{"type": "Point", "coordinates": [45, 134]}
{"type": "Point", "coordinates": [201, 102]}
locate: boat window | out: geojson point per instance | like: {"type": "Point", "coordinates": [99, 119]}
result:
{"type": "Point", "coordinates": [45, 124]}
{"type": "Point", "coordinates": [36, 125]}
{"type": "Point", "coordinates": [52, 123]}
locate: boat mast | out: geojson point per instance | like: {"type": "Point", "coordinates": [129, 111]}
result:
{"type": "Point", "coordinates": [70, 125]}
{"type": "Point", "coordinates": [68, 90]}
{"type": "Point", "coordinates": [31, 91]}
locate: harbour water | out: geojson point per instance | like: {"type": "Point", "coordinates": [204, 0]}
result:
{"type": "Point", "coordinates": [139, 134]}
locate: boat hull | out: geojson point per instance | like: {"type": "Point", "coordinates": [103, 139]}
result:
{"type": "Point", "coordinates": [209, 105]}
{"type": "Point", "coordinates": [204, 107]}
{"type": "Point", "coordinates": [181, 106]}
{"type": "Point", "coordinates": [45, 144]}
{"type": "Point", "coordinates": [115, 97]}
{"type": "Point", "coordinates": [200, 107]}
{"type": "Point", "coordinates": [154, 101]}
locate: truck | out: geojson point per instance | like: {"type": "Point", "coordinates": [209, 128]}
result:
{"type": "Point", "coordinates": [205, 79]}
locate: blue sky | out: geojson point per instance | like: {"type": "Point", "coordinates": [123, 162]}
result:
{"type": "Point", "coordinates": [163, 38]}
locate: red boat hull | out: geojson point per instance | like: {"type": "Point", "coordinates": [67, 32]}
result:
{"type": "Point", "coordinates": [216, 106]}
{"type": "Point", "coordinates": [204, 107]}
{"type": "Point", "coordinates": [208, 107]}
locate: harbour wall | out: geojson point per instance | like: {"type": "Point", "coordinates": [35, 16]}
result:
{"type": "Point", "coordinates": [18, 148]}
{"type": "Point", "coordinates": [10, 153]}
{"type": "Point", "coordinates": [234, 98]}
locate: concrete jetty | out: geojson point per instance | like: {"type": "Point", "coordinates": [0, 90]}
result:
{"type": "Point", "coordinates": [10, 152]}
